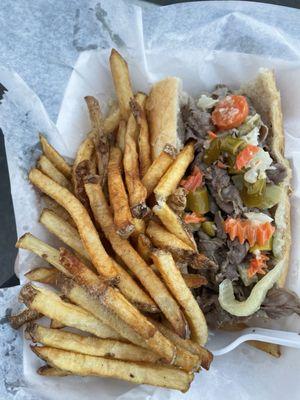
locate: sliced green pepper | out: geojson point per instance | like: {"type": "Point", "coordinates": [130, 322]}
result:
{"type": "Point", "coordinates": [232, 145]}
{"type": "Point", "coordinates": [198, 201]}
{"type": "Point", "coordinates": [209, 228]}
{"type": "Point", "coordinates": [265, 196]}
{"type": "Point", "coordinates": [213, 152]}
{"type": "Point", "coordinates": [253, 193]}
{"type": "Point", "coordinates": [265, 247]}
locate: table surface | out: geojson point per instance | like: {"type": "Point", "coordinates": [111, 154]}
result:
{"type": "Point", "coordinates": [8, 231]}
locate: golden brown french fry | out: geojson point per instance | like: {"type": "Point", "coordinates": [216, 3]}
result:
{"type": "Point", "coordinates": [57, 160]}
{"type": "Point", "coordinates": [136, 190]}
{"type": "Point", "coordinates": [118, 196]}
{"type": "Point", "coordinates": [42, 274]}
{"type": "Point", "coordinates": [82, 167]}
{"type": "Point", "coordinates": [138, 109]}
{"type": "Point", "coordinates": [126, 284]}
{"type": "Point", "coordinates": [144, 248]}
{"type": "Point", "coordinates": [88, 233]}
{"type": "Point", "coordinates": [120, 138]}
{"type": "Point", "coordinates": [158, 343]}
{"type": "Point", "coordinates": [133, 261]}
{"type": "Point", "coordinates": [100, 139]}
{"type": "Point", "coordinates": [64, 231]}
{"type": "Point", "coordinates": [89, 345]}
{"type": "Point", "coordinates": [52, 306]}
{"type": "Point", "coordinates": [158, 168]}
{"type": "Point", "coordinates": [174, 224]}
{"type": "Point", "coordinates": [139, 227]}
{"type": "Point", "coordinates": [120, 75]}
{"type": "Point", "coordinates": [186, 344]}
{"type": "Point", "coordinates": [176, 284]}
{"type": "Point", "coordinates": [56, 324]}
{"type": "Point", "coordinates": [57, 209]}
{"type": "Point", "coordinates": [108, 296]}
{"type": "Point", "coordinates": [194, 281]}
{"type": "Point", "coordinates": [46, 370]}
{"type": "Point", "coordinates": [177, 200]}
{"type": "Point", "coordinates": [41, 249]}
{"type": "Point", "coordinates": [111, 122]}
{"type": "Point", "coordinates": [165, 240]}
{"type": "Point", "coordinates": [269, 348]}
{"type": "Point", "coordinates": [46, 166]}
{"type": "Point", "coordinates": [27, 315]}
{"type": "Point", "coordinates": [84, 365]}
{"type": "Point", "coordinates": [170, 180]}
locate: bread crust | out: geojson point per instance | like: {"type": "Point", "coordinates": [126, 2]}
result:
{"type": "Point", "coordinates": [266, 100]}
{"type": "Point", "coordinates": [163, 111]}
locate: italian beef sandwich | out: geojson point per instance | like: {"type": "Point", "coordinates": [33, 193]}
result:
{"type": "Point", "coordinates": [234, 197]}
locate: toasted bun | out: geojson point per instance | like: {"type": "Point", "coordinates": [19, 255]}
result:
{"type": "Point", "coordinates": [266, 99]}
{"type": "Point", "coordinates": [163, 114]}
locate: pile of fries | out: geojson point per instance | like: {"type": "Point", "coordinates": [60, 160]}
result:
{"type": "Point", "coordinates": [117, 277]}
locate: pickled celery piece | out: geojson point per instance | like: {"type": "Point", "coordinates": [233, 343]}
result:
{"type": "Point", "coordinates": [198, 201]}
{"type": "Point", "coordinates": [243, 272]}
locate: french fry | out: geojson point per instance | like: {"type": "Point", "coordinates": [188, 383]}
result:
{"type": "Point", "coordinates": [120, 138]}
{"type": "Point", "coordinates": [89, 236]}
{"type": "Point", "coordinates": [46, 275]}
{"type": "Point", "coordinates": [158, 343]}
{"type": "Point", "coordinates": [194, 281]}
{"type": "Point", "coordinates": [170, 180]}
{"type": "Point", "coordinates": [158, 168]}
{"type": "Point", "coordinates": [108, 296]}
{"type": "Point", "coordinates": [57, 160]}
{"type": "Point", "coordinates": [84, 365]}
{"type": "Point", "coordinates": [100, 139]}
{"type": "Point", "coordinates": [41, 249]}
{"type": "Point", "coordinates": [120, 75]}
{"type": "Point", "coordinates": [46, 166]}
{"type": "Point", "coordinates": [144, 248]}
{"type": "Point", "coordinates": [57, 209]}
{"type": "Point", "coordinates": [64, 231]}
{"type": "Point", "coordinates": [269, 348]}
{"type": "Point", "coordinates": [174, 224]}
{"type": "Point", "coordinates": [27, 315]}
{"type": "Point", "coordinates": [138, 109]}
{"type": "Point", "coordinates": [111, 122]}
{"type": "Point", "coordinates": [118, 196]}
{"type": "Point", "coordinates": [133, 261]}
{"type": "Point", "coordinates": [136, 190]}
{"type": "Point", "coordinates": [56, 324]}
{"type": "Point", "coordinates": [46, 370]}
{"type": "Point", "coordinates": [186, 344]}
{"type": "Point", "coordinates": [52, 306]}
{"type": "Point", "coordinates": [139, 227]}
{"type": "Point", "coordinates": [42, 274]}
{"type": "Point", "coordinates": [89, 345]}
{"type": "Point", "coordinates": [165, 240]}
{"type": "Point", "coordinates": [176, 284]}
{"type": "Point", "coordinates": [82, 167]}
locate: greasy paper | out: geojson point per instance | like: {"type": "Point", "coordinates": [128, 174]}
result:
{"type": "Point", "coordinates": [212, 43]}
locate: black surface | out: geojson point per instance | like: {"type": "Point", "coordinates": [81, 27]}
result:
{"type": "Point", "coordinates": [7, 229]}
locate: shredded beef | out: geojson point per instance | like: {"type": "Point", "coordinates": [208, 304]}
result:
{"type": "Point", "coordinates": [223, 190]}
{"type": "Point", "coordinates": [281, 302]}
{"type": "Point", "coordinates": [278, 174]}
{"type": "Point", "coordinates": [220, 92]}
{"type": "Point", "coordinates": [196, 122]}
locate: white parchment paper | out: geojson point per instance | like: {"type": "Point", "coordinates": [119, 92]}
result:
{"type": "Point", "coordinates": [204, 44]}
